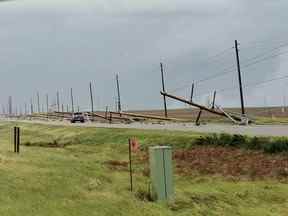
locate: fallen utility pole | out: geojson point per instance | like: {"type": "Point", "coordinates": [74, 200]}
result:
{"type": "Point", "coordinates": [117, 117]}
{"type": "Point", "coordinates": [201, 107]}
{"type": "Point", "coordinates": [147, 116]}
{"type": "Point", "coordinates": [96, 115]}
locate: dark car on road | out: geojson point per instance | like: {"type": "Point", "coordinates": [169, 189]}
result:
{"type": "Point", "coordinates": [78, 117]}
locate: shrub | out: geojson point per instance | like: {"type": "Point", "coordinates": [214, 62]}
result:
{"type": "Point", "coordinates": [268, 145]}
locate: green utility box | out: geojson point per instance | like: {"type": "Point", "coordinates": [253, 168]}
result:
{"type": "Point", "coordinates": [161, 172]}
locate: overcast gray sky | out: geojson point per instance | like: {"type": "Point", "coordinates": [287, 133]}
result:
{"type": "Point", "coordinates": [54, 45]}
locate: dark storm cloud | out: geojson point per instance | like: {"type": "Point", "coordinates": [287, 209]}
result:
{"type": "Point", "coordinates": [56, 47]}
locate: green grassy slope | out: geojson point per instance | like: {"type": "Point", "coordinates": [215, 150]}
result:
{"type": "Point", "coordinates": [76, 181]}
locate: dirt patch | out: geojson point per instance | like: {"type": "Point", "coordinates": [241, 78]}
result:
{"type": "Point", "coordinates": [231, 162]}
{"type": "Point", "coordinates": [53, 144]}
{"type": "Point", "coordinates": [228, 162]}
{"type": "Point", "coordinates": [117, 165]}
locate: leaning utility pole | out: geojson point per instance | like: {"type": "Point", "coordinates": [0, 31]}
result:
{"type": "Point", "coordinates": [163, 89]}
{"type": "Point", "coordinates": [213, 101]}
{"type": "Point", "coordinates": [91, 98]}
{"type": "Point", "coordinates": [192, 92]}
{"type": "Point", "coordinates": [72, 100]}
{"type": "Point", "coordinates": [118, 92]}
{"type": "Point", "coordinates": [239, 78]}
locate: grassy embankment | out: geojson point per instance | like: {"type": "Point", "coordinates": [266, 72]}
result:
{"type": "Point", "coordinates": [75, 180]}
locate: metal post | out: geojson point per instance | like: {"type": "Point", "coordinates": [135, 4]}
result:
{"type": "Point", "coordinates": [18, 139]}
{"type": "Point", "coordinates": [15, 139]}
{"type": "Point", "coordinates": [130, 166]}
{"type": "Point", "coordinates": [118, 92]}
{"type": "Point", "coordinates": [163, 89]}
{"type": "Point", "coordinates": [192, 92]}
{"type": "Point", "coordinates": [239, 78]}
{"type": "Point", "coordinates": [72, 100]}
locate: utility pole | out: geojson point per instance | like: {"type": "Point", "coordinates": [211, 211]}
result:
{"type": "Point", "coordinates": [38, 102]}
{"type": "Point", "coordinates": [47, 103]}
{"type": "Point", "coordinates": [239, 78]}
{"type": "Point", "coordinates": [163, 89]}
{"type": "Point", "coordinates": [62, 108]}
{"type": "Point", "coordinates": [72, 100]}
{"type": "Point", "coordinates": [91, 98]}
{"type": "Point", "coordinates": [118, 92]}
{"type": "Point", "coordinates": [284, 104]}
{"type": "Point", "coordinates": [106, 113]}
{"type": "Point", "coordinates": [31, 106]}
{"type": "Point", "coordinates": [192, 92]}
{"type": "Point", "coordinates": [214, 98]}
{"type": "Point", "coordinates": [26, 112]}
{"type": "Point", "coordinates": [3, 110]}
{"type": "Point", "coordinates": [58, 102]}
{"type": "Point", "coordinates": [10, 110]}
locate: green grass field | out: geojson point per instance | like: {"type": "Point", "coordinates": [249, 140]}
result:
{"type": "Point", "coordinates": [75, 180]}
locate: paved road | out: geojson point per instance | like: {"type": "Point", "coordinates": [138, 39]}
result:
{"type": "Point", "coordinates": [254, 130]}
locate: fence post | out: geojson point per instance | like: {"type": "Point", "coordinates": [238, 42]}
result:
{"type": "Point", "coordinates": [15, 138]}
{"type": "Point", "coordinates": [18, 140]}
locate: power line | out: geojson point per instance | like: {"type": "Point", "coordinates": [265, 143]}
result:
{"type": "Point", "coordinates": [271, 50]}
{"type": "Point", "coordinates": [255, 84]}
{"type": "Point", "coordinates": [209, 59]}
{"type": "Point", "coordinates": [225, 71]}
{"type": "Point", "coordinates": [255, 44]}
{"type": "Point", "coordinates": [244, 66]}
{"type": "Point", "coordinates": [264, 59]}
